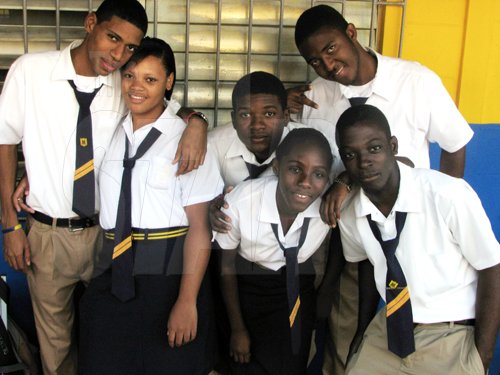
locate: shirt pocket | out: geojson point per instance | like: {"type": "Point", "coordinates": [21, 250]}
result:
{"type": "Point", "coordinates": [161, 173]}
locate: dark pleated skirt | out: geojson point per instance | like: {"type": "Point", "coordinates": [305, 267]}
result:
{"type": "Point", "coordinates": [131, 338]}
{"type": "Point", "coordinates": [264, 305]}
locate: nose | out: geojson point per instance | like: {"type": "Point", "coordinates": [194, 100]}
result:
{"type": "Point", "coordinates": [328, 62]}
{"type": "Point", "coordinates": [364, 160]}
{"type": "Point", "coordinates": [305, 180]}
{"type": "Point", "coordinates": [256, 121]}
{"type": "Point", "coordinates": [118, 52]}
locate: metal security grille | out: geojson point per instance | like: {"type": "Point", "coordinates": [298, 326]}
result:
{"type": "Point", "coordinates": [215, 41]}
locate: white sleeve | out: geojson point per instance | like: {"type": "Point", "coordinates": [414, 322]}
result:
{"type": "Point", "coordinates": [12, 108]}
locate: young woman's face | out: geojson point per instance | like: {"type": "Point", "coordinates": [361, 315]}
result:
{"type": "Point", "coordinates": [302, 177]}
{"type": "Point", "coordinates": [143, 87]}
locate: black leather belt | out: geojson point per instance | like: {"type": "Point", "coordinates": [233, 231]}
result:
{"type": "Point", "coordinates": [465, 322]}
{"type": "Point", "coordinates": [77, 223]}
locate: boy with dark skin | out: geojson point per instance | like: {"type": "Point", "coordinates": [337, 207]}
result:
{"type": "Point", "coordinates": [458, 251]}
{"type": "Point", "coordinates": [412, 97]}
{"type": "Point", "coordinates": [38, 106]}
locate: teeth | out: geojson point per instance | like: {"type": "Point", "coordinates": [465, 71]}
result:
{"type": "Point", "coordinates": [301, 196]}
{"type": "Point", "coordinates": [136, 97]}
{"type": "Point", "coordinates": [339, 70]}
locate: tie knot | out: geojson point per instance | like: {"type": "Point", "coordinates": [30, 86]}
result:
{"type": "Point", "coordinates": [291, 252]}
{"type": "Point", "coordinates": [128, 163]}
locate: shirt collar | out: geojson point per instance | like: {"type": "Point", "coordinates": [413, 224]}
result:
{"type": "Point", "coordinates": [164, 123]}
{"type": "Point", "coordinates": [64, 69]}
{"type": "Point", "coordinates": [409, 197]}
{"type": "Point", "coordinates": [238, 149]}
{"type": "Point", "coordinates": [269, 209]}
{"type": "Point", "coordinates": [381, 85]}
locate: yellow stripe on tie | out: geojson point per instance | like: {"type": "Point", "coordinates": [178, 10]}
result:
{"type": "Point", "coordinates": [122, 247]}
{"type": "Point", "coordinates": [295, 309]}
{"type": "Point", "coordinates": [397, 302]}
{"type": "Point", "coordinates": [152, 236]}
{"type": "Point", "coordinates": [84, 169]}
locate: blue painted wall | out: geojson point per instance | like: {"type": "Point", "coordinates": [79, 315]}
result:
{"type": "Point", "coordinates": [482, 172]}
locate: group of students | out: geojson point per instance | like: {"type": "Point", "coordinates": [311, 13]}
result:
{"type": "Point", "coordinates": [149, 306]}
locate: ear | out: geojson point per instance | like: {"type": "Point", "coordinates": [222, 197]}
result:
{"type": "Point", "coordinates": [170, 81]}
{"type": "Point", "coordinates": [276, 166]}
{"type": "Point", "coordinates": [233, 119]}
{"type": "Point", "coordinates": [286, 116]}
{"type": "Point", "coordinates": [393, 141]}
{"type": "Point", "coordinates": [351, 32]}
{"type": "Point", "coordinates": [90, 22]}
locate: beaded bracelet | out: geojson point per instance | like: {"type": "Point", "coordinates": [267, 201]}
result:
{"type": "Point", "coordinates": [11, 229]}
{"type": "Point", "coordinates": [339, 181]}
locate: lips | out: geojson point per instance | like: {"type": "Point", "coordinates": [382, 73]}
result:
{"type": "Point", "coordinates": [136, 98]}
{"type": "Point", "coordinates": [258, 138]}
{"type": "Point", "coordinates": [368, 177]}
{"type": "Point", "coordinates": [109, 67]}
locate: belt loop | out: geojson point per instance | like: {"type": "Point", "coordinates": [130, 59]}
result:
{"type": "Point", "coordinates": [146, 232]}
{"type": "Point", "coordinates": [452, 324]}
{"type": "Point", "coordinates": [54, 223]}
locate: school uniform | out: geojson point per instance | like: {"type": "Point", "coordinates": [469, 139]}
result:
{"type": "Point", "coordinates": [419, 111]}
{"type": "Point", "coordinates": [39, 108]}
{"type": "Point", "coordinates": [233, 156]}
{"type": "Point", "coordinates": [440, 270]}
{"type": "Point", "coordinates": [261, 273]}
{"type": "Point", "coordinates": [131, 337]}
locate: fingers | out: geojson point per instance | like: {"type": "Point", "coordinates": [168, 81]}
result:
{"type": "Point", "coordinates": [327, 212]}
{"type": "Point", "coordinates": [180, 337]}
{"type": "Point", "coordinates": [309, 102]}
{"type": "Point", "coordinates": [218, 220]}
{"type": "Point", "coordinates": [240, 356]}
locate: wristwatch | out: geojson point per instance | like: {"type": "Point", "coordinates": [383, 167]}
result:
{"type": "Point", "coordinates": [199, 114]}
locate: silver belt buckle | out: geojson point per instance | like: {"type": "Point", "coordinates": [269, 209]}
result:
{"type": "Point", "coordinates": [73, 229]}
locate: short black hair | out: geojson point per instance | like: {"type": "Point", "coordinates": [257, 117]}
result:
{"type": "Point", "coordinates": [364, 113]}
{"type": "Point", "coordinates": [305, 137]}
{"type": "Point", "coordinates": [259, 83]}
{"type": "Point", "coordinates": [129, 10]}
{"type": "Point", "coordinates": [314, 19]}
{"type": "Point", "coordinates": [158, 48]}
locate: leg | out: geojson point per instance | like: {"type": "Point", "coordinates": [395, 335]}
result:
{"type": "Point", "coordinates": [59, 257]}
{"type": "Point", "coordinates": [343, 321]}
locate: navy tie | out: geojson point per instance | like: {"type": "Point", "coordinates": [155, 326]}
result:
{"type": "Point", "coordinates": [122, 267]}
{"type": "Point", "coordinates": [84, 179]}
{"type": "Point", "coordinates": [293, 283]}
{"type": "Point", "coordinates": [401, 340]}
{"type": "Point", "coordinates": [357, 101]}
{"type": "Point", "coordinates": [255, 171]}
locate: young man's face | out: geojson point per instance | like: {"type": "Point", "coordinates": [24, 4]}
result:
{"type": "Point", "coordinates": [110, 43]}
{"type": "Point", "coordinates": [302, 177]}
{"type": "Point", "coordinates": [369, 157]}
{"type": "Point", "coordinates": [259, 120]}
{"type": "Point", "coordinates": [333, 54]}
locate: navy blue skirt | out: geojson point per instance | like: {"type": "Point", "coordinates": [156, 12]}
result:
{"type": "Point", "coordinates": [264, 306]}
{"type": "Point", "coordinates": [131, 338]}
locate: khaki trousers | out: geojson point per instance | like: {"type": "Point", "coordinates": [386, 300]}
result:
{"type": "Point", "coordinates": [441, 348]}
{"type": "Point", "coordinates": [59, 260]}
{"type": "Point", "coordinates": [342, 322]}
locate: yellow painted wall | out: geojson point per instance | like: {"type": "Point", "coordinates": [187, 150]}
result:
{"type": "Point", "coordinates": [460, 41]}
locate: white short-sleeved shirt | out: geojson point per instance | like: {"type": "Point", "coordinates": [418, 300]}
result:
{"type": "Point", "coordinates": [252, 208]}
{"type": "Point", "coordinates": [232, 154]}
{"type": "Point", "coordinates": [158, 196]}
{"type": "Point", "coordinates": [412, 97]}
{"type": "Point", "coordinates": [447, 237]}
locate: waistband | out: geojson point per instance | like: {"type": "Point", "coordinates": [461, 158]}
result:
{"type": "Point", "coordinates": [73, 224]}
{"type": "Point", "coordinates": [140, 234]}
{"type": "Point", "coordinates": [465, 322]}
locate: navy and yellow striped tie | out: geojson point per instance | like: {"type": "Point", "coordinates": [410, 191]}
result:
{"type": "Point", "coordinates": [84, 179]}
{"type": "Point", "coordinates": [122, 267]}
{"type": "Point", "coordinates": [401, 340]}
{"type": "Point", "coordinates": [293, 283]}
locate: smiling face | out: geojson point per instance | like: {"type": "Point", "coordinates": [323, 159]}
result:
{"type": "Point", "coordinates": [259, 120]}
{"type": "Point", "coordinates": [109, 44]}
{"type": "Point", "coordinates": [333, 55]}
{"type": "Point", "coordinates": [369, 157]}
{"type": "Point", "coordinates": [303, 175]}
{"type": "Point", "coordinates": [143, 89]}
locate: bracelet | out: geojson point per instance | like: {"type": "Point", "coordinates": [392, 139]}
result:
{"type": "Point", "coordinates": [199, 114]}
{"type": "Point", "coordinates": [11, 229]}
{"type": "Point", "coordinates": [339, 181]}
